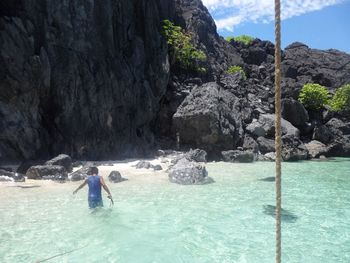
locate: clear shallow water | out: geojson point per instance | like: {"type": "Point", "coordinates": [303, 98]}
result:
{"type": "Point", "coordinates": [155, 221]}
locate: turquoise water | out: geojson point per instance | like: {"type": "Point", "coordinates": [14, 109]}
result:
{"type": "Point", "coordinates": [155, 221]}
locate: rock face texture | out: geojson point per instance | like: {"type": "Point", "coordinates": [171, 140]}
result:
{"type": "Point", "coordinates": [81, 77]}
{"type": "Point", "coordinates": [92, 79]}
{"type": "Point", "coordinates": [209, 118]}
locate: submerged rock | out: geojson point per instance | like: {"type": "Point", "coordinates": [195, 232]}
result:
{"type": "Point", "coordinates": [186, 173]}
{"type": "Point", "coordinates": [268, 179]}
{"type": "Point", "coordinates": [286, 216]}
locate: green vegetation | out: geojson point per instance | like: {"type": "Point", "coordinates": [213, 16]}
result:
{"type": "Point", "coordinates": [341, 99]}
{"type": "Point", "coordinates": [246, 40]}
{"type": "Point", "coordinates": [234, 69]}
{"type": "Point", "coordinates": [313, 96]}
{"type": "Point", "coordinates": [182, 50]}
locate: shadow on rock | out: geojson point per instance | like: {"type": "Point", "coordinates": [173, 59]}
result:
{"type": "Point", "coordinates": [286, 216]}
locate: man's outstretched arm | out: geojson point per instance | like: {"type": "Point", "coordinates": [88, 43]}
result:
{"type": "Point", "coordinates": [80, 186]}
{"type": "Point", "coordinates": [105, 187]}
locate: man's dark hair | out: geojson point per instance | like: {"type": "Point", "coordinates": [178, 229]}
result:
{"type": "Point", "coordinates": [93, 170]}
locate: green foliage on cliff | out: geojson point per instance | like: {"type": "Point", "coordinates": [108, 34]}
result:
{"type": "Point", "coordinates": [182, 50]}
{"type": "Point", "coordinates": [341, 99]}
{"type": "Point", "coordinates": [313, 96]}
{"type": "Point", "coordinates": [234, 69]}
{"type": "Point", "coordinates": [245, 39]}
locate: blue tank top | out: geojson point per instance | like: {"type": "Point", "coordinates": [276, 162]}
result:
{"type": "Point", "coordinates": [94, 188]}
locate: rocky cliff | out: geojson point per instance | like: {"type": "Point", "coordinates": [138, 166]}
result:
{"type": "Point", "coordinates": [92, 79]}
{"type": "Point", "coordinates": [81, 77]}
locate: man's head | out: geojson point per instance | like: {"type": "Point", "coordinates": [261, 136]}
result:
{"type": "Point", "coordinates": [93, 170]}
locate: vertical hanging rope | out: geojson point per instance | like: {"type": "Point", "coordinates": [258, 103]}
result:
{"type": "Point", "coordinates": [278, 140]}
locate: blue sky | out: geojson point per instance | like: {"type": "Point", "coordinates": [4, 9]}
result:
{"type": "Point", "coordinates": [321, 24]}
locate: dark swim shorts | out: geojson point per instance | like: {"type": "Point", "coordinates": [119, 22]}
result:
{"type": "Point", "coordinates": [95, 203]}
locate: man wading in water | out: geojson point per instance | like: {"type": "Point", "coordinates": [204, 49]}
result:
{"type": "Point", "coordinates": [94, 181]}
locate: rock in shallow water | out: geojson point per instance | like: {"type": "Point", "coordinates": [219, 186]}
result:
{"type": "Point", "coordinates": [116, 177]}
{"type": "Point", "coordinates": [186, 173]}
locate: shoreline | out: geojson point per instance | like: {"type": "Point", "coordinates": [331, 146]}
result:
{"type": "Point", "coordinates": [125, 167]}
{"type": "Point", "coordinates": [128, 171]}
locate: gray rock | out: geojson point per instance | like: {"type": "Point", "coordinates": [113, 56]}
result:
{"type": "Point", "coordinates": [186, 173]}
{"type": "Point", "coordinates": [52, 172]}
{"type": "Point", "coordinates": [62, 160]}
{"type": "Point", "coordinates": [293, 149]}
{"type": "Point", "coordinates": [157, 167]}
{"type": "Point", "coordinates": [250, 144]}
{"type": "Point", "coordinates": [115, 177]}
{"type": "Point", "coordinates": [322, 134]}
{"type": "Point", "coordinates": [266, 145]}
{"type": "Point", "coordinates": [316, 148]}
{"type": "Point", "coordinates": [271, 156]}
{"type": "Point", "coordinates": [17, 177]}
{"type": "Point", "coordinates": [336, 124]}
{"type": "Point", "coordinates": [8, 169]}
{"type": "Point", "coordinates": [82, 173]}
{"type": "Point", "coordinates": [238, 156]}
{"type": "Point", "coordinates": [265, 127]}
{"type": "Point", "coordinates": [197, 155]}
{"type": "Point", "coordinates": [77, 163]}
{"type": "Point", "coordinates": [24, 166]}
{"type": "Point", "coordinates": [143, 164]}
{"type": "Point", "coordinates": [294, 112]}
{"type": "Point", "coordinates": [83, 77]}
{"type": "Point", "coordinates": [209, 118]}
{"type": "Point", "coordinates": [5, 179]}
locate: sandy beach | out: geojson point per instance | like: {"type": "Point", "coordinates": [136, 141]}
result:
{"type": "Point", "coordinates": [126, 168]}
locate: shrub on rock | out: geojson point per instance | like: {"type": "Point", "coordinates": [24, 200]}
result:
{"type": "Point", "coordinates": [235, 69]}
{"type": "Point", "coordinates": [341, 99]}
{"type": "Point", "coordinates": [313, 96]}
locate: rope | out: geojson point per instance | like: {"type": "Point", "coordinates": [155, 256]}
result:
{"type": "Point", "coordinates": [278, 141]}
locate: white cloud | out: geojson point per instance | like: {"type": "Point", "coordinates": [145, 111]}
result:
{"type": "Point", "coordinates": [233, 12]}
